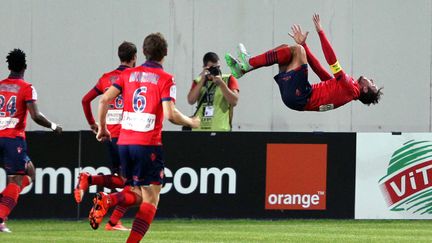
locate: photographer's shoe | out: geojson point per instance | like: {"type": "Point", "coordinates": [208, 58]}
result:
{"type": "Point", "coordinates": [234, 65]}
{"type": "Point", "coordinates": [244, 58]}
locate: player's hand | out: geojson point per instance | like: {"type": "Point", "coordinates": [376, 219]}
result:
{"type": "Point", "coordinates": [297, 34]}
{"type": "Point", "coordinates": [317, 21]}
{"type": "Point", "coordinates": [196, 122]}
{"type": "Point", "coordinates": [94, 127]}
{"type": "Point", "coordinates": [58, 129]}
{"type": "Point", "coordinates": [217, 80]}
{"type": "Point", "coordinates": [204, 74]}
{"type": "Point", "coordinates": [103, 134]}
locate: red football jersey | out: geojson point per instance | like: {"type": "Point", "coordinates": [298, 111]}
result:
{"type": "Point", "coordinates": [15, 93]}
{"type": "Point", "coordinates": [331, 94]}
{"type": "Point", "coordinates": [115, 107]}
{"type": "Point", "coordinates": [143, 89]}
{"type": "Point", "coordinates": [333, 91]}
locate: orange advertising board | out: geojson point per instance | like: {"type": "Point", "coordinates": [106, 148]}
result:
{"type": "Point", "coordinates": [296, 177]}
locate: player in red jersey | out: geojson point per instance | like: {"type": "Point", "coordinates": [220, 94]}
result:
{"type": "Point", "coordinates": [296, 91]}
{"type": "Point", "coordinates": [149, 95]}
{"type": "Point", "coordinates": [127, 54]}
{"type": "Point", "coordinates": [16, 98]}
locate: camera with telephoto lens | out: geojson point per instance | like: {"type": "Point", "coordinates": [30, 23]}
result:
{"type": "Point", "coordinates": [214, 70]}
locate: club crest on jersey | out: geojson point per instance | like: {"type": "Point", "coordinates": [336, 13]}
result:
{"type": "Point", "coordinates": [113, 79]}
{"type": "Point", "coordinates": [19, 149]}
{"type": "Point", "coordinates": [162, 174]}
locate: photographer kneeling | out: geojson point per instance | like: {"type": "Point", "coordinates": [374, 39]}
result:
{"type": "Point", "coordinates": [215, 94]}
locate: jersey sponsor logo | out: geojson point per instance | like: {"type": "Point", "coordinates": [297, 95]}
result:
{"type": "Point", "coordinates": [173, 92]}
{"type": "Point", "coordinates": [297, 181]}
{"type": "Point", "coordinates": [144, 77]}
{"type": "Point", "coordinates": [13, 88]}
{"type": "Point", "coordinates": [139, 122]}
{"type": "Point", "coordinates": [34, 93]}
{"type": "Point", "coordinates": [114, 117]}
{"type": "Point", "coordinates": [113, 79]}
{"type": "Point", "coordinates": [8, 122]}
{"type": "Point", "coordinates": [326, 107]}
{"type": "Point", "coordinates": [408, 183]}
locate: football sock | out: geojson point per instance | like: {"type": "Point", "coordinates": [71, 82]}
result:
{"type": "Point", "coordinates": [280, 55]}
{"type": "Point", "coordinates": [142, 222]}
{"type": "Point", "coordinates": [9, 199]}
{"type": "Point", "coordinates": [125, 198]}
{"type": "Point", "coordinates": [25, 182]}
{"type": "Point", "coordinates": [117, 214]}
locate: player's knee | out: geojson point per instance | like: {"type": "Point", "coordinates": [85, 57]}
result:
{"type": "Point", "coordinates": [299, 54]}
{"type": "Point", "coordinates": [30, 170]}
{"type": "Point", "coordinates": [298, 50]}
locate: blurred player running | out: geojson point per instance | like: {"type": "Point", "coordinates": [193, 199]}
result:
{"type": "Point", "coordinates": [127, 54]}
{"type": "Point", "coordinates": [149, 94]}
{"type": "Point", "coordinates": [16, 98]}
{"type": "Point", "coordinates": [296, 91]}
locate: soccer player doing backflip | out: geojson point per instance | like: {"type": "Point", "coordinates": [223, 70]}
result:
{"type": "Point", "coordinates": [296, 91]}
{"type": "Point", "coordinates": [149, 95]}
{"type": "Point", "coordinates": [16, 98]}
{"type": "Point", "coordinates": [127, 55]}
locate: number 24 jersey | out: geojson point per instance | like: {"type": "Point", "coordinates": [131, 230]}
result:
{"type": "Point", "coordinates": [15, 93]}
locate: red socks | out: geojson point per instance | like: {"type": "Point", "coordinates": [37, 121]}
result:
{"type": "Point", "coordinates": [142, 222]}
{"type": "Point", "coordinates": [25, 182]}
{"type": "Point", "coordinates": [109, 181]}
{"type": "Point", "coordinates": [117, 214]}
{"type": "Point", "coordinates": [280, 55]}
{"type": "Point", "coordinates": [9, 199]}
{"type": "Point", "coordinates": [125, 198]}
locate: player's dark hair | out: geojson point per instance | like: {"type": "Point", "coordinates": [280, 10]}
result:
{"type": "Point", "coordinates": [371, 97]}
{"type": "Point", "coordinates": [16, 60]}
{"type": "Point", "coordinates": [155, 47]}
{"type": "Point", "coordinates": [127, 51]}
{"type": "Point", "coordinates": [210, 57]}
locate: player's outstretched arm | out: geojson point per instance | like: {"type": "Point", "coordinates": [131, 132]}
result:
{"type": "Point", "coordinates": [176, 117]}
{"type": "Point", "coordinates": [329, 53]}
{"type": "Point", "coordinates": [103, 134]}
{"type": "Point", "coordinates": [40, 119]}
{"type": "Point", "coordinates": [300, 38]}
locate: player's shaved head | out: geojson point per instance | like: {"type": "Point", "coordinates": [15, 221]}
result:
{"type": "Point", "coordinates": [127, 51]}
{"type": "Point", "coordinates": [155, 47]}
{"type": "Point", "coordinates": [16, 60]}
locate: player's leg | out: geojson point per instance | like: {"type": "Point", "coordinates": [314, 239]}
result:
{"type": "Point", "coordinates": [14, 159]}
{"type": "Point", "coordinates": [114, 222]}
{"type": "Point", "coordinates": [146, 212]}
{"type": "Point", "coordinates": [152, 173]}
{"type": "Point", "coordinates": [293, 81]}
{"type": "Point", "coordinates": [128, 197]}
{"type": "Point", "coordinates": [281, 55]}
{"type": "Point", "coordinates": [298, 58]}
{"type": "Point", "coordinates": [109, 181]}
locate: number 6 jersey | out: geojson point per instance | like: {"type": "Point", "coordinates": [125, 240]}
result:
{"type": "Point", "coordinates": [15, 93]}
{"type": "Point", "coordinates": [143, 89]}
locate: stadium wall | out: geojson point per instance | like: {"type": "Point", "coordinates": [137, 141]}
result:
{"type": "Point", "coordinates": [71, 43]}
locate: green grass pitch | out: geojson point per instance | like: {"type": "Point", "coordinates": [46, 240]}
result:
{"type": "Point", "coordinates": [163, 230]}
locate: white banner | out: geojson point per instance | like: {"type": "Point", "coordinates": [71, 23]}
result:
{"type": "Point", "coordinates": [394, 176]}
